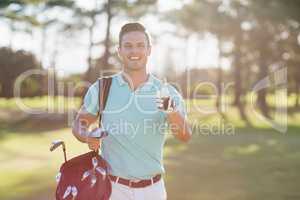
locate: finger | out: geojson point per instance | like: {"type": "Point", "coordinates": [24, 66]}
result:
{"type": "Point", "coordinates": [90, 147]}
{"type": "Point", "coordinates": [95, 144]}
{"type": "Point", "coordinates": [159, 106]}
{"type": "Point", "coordinates": [94, 147]}
{"type": "Point", "coordinates": [93, 141]}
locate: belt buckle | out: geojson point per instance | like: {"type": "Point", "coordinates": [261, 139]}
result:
{"type": "Point", "coordinates": [152, 181]}
{"type": "Point", "coordinates": [130, 183]}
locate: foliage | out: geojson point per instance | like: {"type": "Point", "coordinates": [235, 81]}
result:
{"type": "Point", "coordinates": [13, 64]}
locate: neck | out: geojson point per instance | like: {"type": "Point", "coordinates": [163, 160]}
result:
{"type": "Point", "coordinates": [135, 78]}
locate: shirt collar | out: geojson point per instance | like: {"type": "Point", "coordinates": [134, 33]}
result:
{"type": "Point", "coordinates": [148, 85]}
{"type": "Point", "coordinates": [120, 79]}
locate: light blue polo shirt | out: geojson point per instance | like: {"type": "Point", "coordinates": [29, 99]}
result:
{"type": "Point", "coordinates": [134, 146]}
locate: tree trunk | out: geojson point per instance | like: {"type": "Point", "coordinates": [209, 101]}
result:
{"type": "Point", "coordinates": [106, 54]}
{"type": "Point", "coordinates": [107, 38]}
{"type": "Point", "coordinates": [238, 89]}
{"type": "Point", "coordinates": [12, 33]}
{"type": "Point", "coordinates": [43, 44]}
{"type": "Point", "coordinates": [219, 79]}
{"type": "Point", "coordinates": [237, 85]}
{"type": "Point", "coordinates": [89, 72]}
{"type": "Point", "coordinates": [7, 89]}
{"type": "Point", "coordinates": [237, 72]}
{"type": "Point", "coordinates": [262, 93]}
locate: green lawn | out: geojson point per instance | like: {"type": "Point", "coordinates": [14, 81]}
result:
{"type": "Point", "coordinates": [252, 164]}
{"type": "Point", "coordinates": [27, 165]}
{"type": "Point", "coordinates": [41, 103]}
{"type": "Point", "coordinates": [240, 163]}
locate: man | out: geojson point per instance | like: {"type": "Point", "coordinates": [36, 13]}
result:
{"type": "Point", "coordinates": [134, 121]}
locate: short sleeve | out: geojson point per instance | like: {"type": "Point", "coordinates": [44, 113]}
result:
{"type": "Point", "coordinates": [179, 102]}
{"type": "Point", "coordinates": [90, 101]}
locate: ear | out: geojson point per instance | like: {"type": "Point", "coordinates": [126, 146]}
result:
{"type": "Point", "coordinates": [119, 51]}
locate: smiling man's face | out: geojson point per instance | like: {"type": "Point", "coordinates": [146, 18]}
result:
{"type": "Point", "coordinates": [134, 51]}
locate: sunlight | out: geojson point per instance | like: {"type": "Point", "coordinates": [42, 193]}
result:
{"type": "Point", "coordinates": [72, 57]}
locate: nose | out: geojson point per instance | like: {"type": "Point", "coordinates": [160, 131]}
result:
{"type": "Point", "coordinates": [134, 50]}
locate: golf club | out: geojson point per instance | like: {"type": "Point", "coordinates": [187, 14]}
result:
{"type": "Point", "coordinates": [58, 143]}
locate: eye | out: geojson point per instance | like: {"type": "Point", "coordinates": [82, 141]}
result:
{"type": "Point", "coordinates": [141, 45]}
{"type": "Point", "coordinates": [127, 46]}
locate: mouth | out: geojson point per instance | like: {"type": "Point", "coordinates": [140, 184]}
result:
{"type": "Point", "coordinates": [134, 58]}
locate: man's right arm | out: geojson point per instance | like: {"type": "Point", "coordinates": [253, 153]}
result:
{"type": "Point", "coordinates": [81, 129]}
{"type": "Point", "coordinates": [81, 124]}
{"type": "Point", "coordinates": [86, 116]}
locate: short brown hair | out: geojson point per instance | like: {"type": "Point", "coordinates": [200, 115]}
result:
{"type": "Point", "coordinates": [130, 27]}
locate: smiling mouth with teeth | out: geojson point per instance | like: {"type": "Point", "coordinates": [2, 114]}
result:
{"type": "Point", "coordinates": [134, 58]}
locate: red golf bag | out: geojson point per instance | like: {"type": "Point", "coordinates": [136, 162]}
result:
{"type": "Point", "coordinates": [85, 177]}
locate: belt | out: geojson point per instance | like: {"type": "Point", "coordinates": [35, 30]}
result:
{"type": "Point", "coordinates": [132, 184]}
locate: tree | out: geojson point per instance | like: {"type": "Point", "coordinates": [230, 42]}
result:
{"type": "Point", "coordinates": [89, 19]}
{"type": "Point", "coordinates": [14, 63]}
{"type": "Point", "coordinates": [268, 17]}
{"type": "Point", "coordinates": [199, 17]}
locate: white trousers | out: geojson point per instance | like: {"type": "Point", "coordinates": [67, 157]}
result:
{"type": "Point", "coordinates": [156, 191]}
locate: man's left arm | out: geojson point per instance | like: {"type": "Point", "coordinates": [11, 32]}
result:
{"type": "Point", "coordinates": [179, 126]}
{"type": "Point", "coordinates": [177, 118]}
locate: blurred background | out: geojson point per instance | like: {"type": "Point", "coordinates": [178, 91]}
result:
{"type": "Point", "coordinates": [236, 62]}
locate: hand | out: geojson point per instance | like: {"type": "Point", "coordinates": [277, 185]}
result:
{"type": "Point", "coordinates": [166, 104]}
{"type": "Point", "coordinates": [98, 133]}
{"type": "Point", "coordinates": [93, 143]}
{"type": "Point", "coordinates": [93, 138]}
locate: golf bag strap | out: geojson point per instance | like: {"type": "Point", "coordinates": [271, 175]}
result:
{"type": "Point", "coordinates": [104, 87]}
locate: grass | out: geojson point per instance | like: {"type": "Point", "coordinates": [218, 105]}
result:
{"type": "Point", "coordinates": [236, 168]}
{"type": "Point", "coordinates": [44, 103]}
{"type": "Point", "coordinates": [27, 165]}
{"type": "Point", "coordinates": [240, 163]}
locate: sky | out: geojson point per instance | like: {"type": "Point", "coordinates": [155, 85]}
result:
{"type": "Point", "coordinates": [72, 49]}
